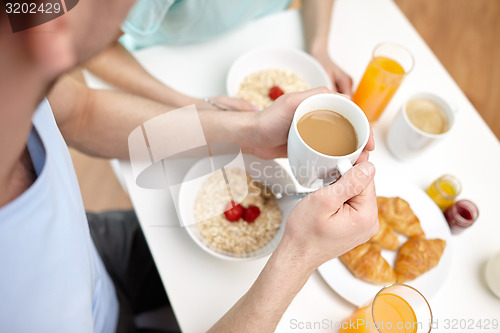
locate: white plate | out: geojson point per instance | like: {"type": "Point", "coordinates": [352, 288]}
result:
{"type": "Point", "coordinates": [267, 172]}
{"type": "Point", "coordinates": [434, 225]}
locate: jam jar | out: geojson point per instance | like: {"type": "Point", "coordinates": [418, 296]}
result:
{"type": "Point", "coordinates": [461, 215]}
{"type": "Point", "coordinates": [444, 190]}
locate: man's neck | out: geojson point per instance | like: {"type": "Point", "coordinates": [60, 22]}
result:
{"type": "Point", "coordinates": [20, 93]}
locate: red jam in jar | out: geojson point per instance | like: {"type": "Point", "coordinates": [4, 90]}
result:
{"type": "Point", "coordinates": [462, 214]}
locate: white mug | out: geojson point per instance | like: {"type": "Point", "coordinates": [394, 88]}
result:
{"type": "Point", "coordinates": [405, 140]}
{"type": "Point", "coordinates": [311, 168]}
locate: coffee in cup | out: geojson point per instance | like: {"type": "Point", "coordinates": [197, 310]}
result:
{"type": "Point", "coordinates": [422, 121]}
{"type": "Point", "coordinates": [427, 116]}
{"type": "Point", "coordinates": [328, 132]}
{"type": "Point", "coordinates": [327, 135]}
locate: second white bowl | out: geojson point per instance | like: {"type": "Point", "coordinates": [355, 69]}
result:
{"type": "Point", "coordinates": [294, 60]}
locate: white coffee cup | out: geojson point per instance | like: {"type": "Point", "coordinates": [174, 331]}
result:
{"type": "Point", "coordinates": [311, 168]}
{"type": "Point", "coordinates": [405, 140]}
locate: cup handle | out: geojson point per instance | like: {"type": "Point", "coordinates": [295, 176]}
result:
{"type": "Point", "coordinates": [344, 165]}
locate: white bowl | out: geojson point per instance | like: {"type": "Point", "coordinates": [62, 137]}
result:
{"type": "Point", "coordinates": [268, 172]}
{"type": "Point", "coordinates": [294, 60]}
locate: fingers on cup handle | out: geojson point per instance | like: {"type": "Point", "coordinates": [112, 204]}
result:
{"type": "Point", "coordinates": [353, 183]}
{"type": "Point", "coordinates": [356, 180]}
{"type": "Point", "coordinates": [344, 166]}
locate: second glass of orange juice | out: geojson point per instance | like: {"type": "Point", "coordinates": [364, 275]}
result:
{"type": "Point", "coordinates": [389, 65]}
{"type": "Point", "coordinates": [397, 308]}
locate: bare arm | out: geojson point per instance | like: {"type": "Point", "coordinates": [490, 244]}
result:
{"type": "Point", "coordinates": [322, 226]}
{"type": "Point", "coordinates": [316, 17]}
{"type": "Point", "coordinates": [98, 122]}
{"type": "Point", "coordinates": [262, 307]}
{"type": "Point", "coordinates": [118, 67]}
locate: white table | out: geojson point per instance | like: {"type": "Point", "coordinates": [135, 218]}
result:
{"type": "Point", "coordinates": [202, 288]}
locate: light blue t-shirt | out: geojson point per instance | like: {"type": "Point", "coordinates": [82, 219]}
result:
{"type": "Point", "coordinates": [51, 276]}
{"type": "Point", "coordinates": [154, 22]}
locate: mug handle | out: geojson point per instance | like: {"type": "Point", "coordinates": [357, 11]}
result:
{"type": "Point", "coordinates": [344, 165]}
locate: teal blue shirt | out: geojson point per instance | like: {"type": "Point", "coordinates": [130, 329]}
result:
{"type": "Point", "coordinates": [175, 22]}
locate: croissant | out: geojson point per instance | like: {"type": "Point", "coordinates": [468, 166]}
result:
{"type": "Point", "coordinates": [398, 214]}
{"type": "Point", "coordinates": [366, 263]}
{"type": "Point", "coordinates": [386, 237]}
{"type": "Point", "coordinates": [417, 256]}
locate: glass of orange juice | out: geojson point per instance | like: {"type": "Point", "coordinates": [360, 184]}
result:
{"type": "Point", "coordinates": [389, 65]}
{"type": "Point", "coordinates": [397, 308]}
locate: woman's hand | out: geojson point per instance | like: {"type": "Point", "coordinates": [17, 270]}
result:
{"type": "Point", "coordinates": [342, 83]}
